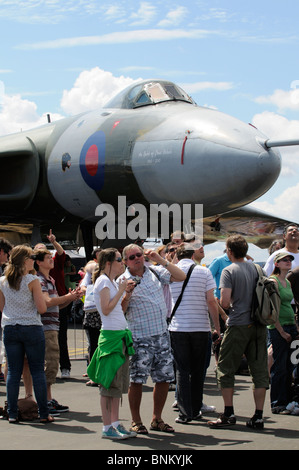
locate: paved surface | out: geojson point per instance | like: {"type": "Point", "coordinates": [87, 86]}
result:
{"type": "Point", "coordinates": [80, 428]}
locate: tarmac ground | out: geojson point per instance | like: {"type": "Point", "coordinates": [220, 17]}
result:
{"type": "Point", "coordinates": [80, 428]}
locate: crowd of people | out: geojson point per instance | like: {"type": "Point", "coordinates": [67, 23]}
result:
{"type": "Point", "coordinates": [150, 313]}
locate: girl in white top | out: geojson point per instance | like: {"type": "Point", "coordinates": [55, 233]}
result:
{"type": "Point", "coordinates": [22, 303]}
{"type": "Point", "coordinates": [107, 296]}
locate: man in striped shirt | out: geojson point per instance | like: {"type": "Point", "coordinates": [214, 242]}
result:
{"type": "Point", "coordinates": [189, 329]}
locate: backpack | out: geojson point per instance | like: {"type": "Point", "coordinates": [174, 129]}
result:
{"type": "Point", "coordinates": [266, 300]}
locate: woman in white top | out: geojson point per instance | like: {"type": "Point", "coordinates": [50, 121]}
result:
{"type": "Point", "coordinates": [113, 371]}
{"type": "Point", "coordinates": [22, 303]}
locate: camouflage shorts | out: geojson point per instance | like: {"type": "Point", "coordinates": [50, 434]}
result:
{"type": "Point", "coordinates": [153, 356]}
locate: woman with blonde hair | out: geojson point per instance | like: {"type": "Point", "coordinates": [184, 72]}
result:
{"type": "Point", "coordinates": [22, 303]}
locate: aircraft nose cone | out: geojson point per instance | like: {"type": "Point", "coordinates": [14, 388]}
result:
{"type": "Point", "coordinates": [219, 162]}
{"type": "Point", "coordinates": [269, 163]}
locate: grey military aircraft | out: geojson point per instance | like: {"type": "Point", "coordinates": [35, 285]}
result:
{"type": "Point", "coordinates": [151, 144]}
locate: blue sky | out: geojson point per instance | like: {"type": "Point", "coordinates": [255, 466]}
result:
{"type": "Point", "coordinates": [239, 57]}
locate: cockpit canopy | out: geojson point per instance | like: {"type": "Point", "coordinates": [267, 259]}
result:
{"type": "Point", "coordinates": [148, 92]}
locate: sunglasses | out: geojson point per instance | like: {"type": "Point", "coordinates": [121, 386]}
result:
{"type": "Point", "coordinates": [138, 255]}
{"type": "Point", "coordinates": [171, 250]}
{"type": "Point", "coordinates": [286, 260]}
{"type": "Point", "coordinates": [34, 257]}
{"type": "Point", "coordinates": [119, 259]}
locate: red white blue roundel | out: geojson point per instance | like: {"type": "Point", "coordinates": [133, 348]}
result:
{"type": "Point", "coordinates": [92, 160]}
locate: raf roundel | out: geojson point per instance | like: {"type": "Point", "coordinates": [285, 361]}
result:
{"type": "Point", "coordinates": [92, 160]}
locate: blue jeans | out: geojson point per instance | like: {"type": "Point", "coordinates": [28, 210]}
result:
{"type": "Point", "coordinates": [190, 356]}
{"type": "Point", "coordinates": [282, 368]}
{"type": "Point", "coordinates": [18, 341]}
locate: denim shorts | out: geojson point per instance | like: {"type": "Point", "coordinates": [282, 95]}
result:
{"type": "Point", "coordinates": [153, 357]}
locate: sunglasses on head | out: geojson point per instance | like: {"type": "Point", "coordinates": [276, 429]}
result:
{"type": "Point", "coordinates": [137, 255]}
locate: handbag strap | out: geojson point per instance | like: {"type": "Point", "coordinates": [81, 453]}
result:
{"type": "Point", "coordinates": [178, 301]}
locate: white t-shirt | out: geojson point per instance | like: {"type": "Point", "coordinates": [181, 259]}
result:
{"type": "Point", "coordinates": [19, 308]}
{"type": "Point", "coordinates": [192, 313]}
{"type": "Point", "coordinates": [116, 319]}
{"type": "Point", "coordinates": [269, 266]}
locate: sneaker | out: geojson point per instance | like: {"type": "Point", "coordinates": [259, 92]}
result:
{"type": "Point", "coordinates": [223, 421]}
{"type": "Point", "coordinates": [175, 405]}
{"type": "Point", "coordinates": [255, 423]}
{"type": "Point", "coordinates": [113, 433]}
{"type": "Point", "coordinates": [56, 407]}
{"type": "Point", "coordinates": [207, 409]}
{"type": "Point", "coordinates": [120, 428]}
{"type": "Point", "coordinates": [53, 412]}
{"type": "Point", "coordinates": [276, 410]}
{"type": "Point", "coordinates": [198, 417]}
{"type": "Point", "coordinates": [183, 420]}
{"type": "Point", "coordinates": [65, 374]}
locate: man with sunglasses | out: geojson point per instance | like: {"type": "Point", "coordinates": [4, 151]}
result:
{"type": "Point", "coordinates": [146, 313]}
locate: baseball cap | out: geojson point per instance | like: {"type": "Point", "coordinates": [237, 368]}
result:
{"type": "Point", "coordinates": [282, 255]}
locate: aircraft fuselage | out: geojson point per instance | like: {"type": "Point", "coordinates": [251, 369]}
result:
{"type": "Point", "coordinates": [170, 151]}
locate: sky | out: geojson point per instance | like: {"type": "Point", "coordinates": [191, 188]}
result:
{"type": "Point", "coordinates": [241, 58]}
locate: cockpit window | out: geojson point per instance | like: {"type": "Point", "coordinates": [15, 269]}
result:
{"type": "Point", "coordinates": [148, 93]}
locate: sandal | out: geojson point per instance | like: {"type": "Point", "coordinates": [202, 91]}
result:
{"type": "Point", "coordinates": [47, 420]}
{"type": "Point", "coordinates": [159, 425]}
{"type": "Point", "coordinates": [139, 428]}
{"type": "Point", "coordinates": [90, 383]}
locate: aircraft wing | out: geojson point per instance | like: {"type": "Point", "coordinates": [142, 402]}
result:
{"type": "Point", "coordinates": [258, 227]}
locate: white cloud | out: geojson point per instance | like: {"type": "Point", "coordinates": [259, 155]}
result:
{"type": "Point", "coordinates": [114, 12]}
{"type": "Point", "coordinates": [140, 35]}
{"type": "Point", "coordinates": [278, 127]}
{"type": "Point", "coordinates": [45, 11]}
{"type": "Point", "coordinates": [144, 14]}
{"type": "Point", "coordinates": [92, 89]}
{"type": "Point", "coordinates": [285, 205]}
{"type": "Point", "coordinates": [282, 99]}
{"type": "Point", "coordinates": [17, 114]}
{"type": "Point", "coordinates": [174, 17]}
